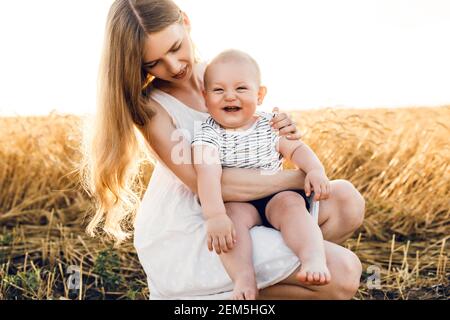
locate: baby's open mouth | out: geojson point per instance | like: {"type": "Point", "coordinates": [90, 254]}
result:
{"type": "Point", "coordinates": [232, 109]}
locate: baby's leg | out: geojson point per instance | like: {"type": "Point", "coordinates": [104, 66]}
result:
{"type": "Point", "coordinates": [238, 261]}
{"type": "Point", "coordinates": [286, 211]}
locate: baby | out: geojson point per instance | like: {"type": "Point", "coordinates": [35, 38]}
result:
{"type": "Point", "coordinates": [236, 135]}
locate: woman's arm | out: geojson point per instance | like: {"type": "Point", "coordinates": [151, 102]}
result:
{"type": "Point", "coordinates": [250, 184]}
{"type": "Point", "coordinates": [237, 184]}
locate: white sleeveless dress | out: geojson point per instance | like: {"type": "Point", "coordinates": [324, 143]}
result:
{"type": "Point", "coordinates": [170, 236]}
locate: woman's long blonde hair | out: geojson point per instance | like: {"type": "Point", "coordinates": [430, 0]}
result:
{"type": "Point", "coordinates": [112, 149]}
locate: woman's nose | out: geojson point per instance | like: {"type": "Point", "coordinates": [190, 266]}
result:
{"type": "Point", "coordinates": [173, 66]}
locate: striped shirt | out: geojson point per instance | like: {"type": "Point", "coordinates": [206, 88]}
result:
{"type": "Point", "coordinates": [253, 148]}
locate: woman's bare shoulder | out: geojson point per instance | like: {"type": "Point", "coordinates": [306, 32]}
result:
{"type": "Point", "coordinates": [159, 117]}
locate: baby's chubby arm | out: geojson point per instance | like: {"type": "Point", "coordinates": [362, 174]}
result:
{"type": "Point", "coordinates": [305, 159]}
{"type": "Point", "coordinates": [220, 229]}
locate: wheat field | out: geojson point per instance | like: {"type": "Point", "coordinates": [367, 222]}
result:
{"type": "Point", "coordinates": [398, 158]}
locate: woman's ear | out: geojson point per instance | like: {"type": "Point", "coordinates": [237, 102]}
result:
{"type": "Point", "coordinates": [186, 21]}
{"type": "Point", "coordinates": [261, 94]}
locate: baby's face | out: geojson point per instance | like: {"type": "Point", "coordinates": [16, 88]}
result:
{"type": "Point", "coordinates": [231, 93]}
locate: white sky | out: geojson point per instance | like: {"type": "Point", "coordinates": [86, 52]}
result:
{"type": "Point", "coordinates": [321, 53]}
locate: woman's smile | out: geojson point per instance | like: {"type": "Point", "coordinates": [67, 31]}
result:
{"type": "Point", "coordinates": [181, 74]}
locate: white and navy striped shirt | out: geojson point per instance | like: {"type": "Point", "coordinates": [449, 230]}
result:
{"type": "Point", "coordinates": [253, 148]}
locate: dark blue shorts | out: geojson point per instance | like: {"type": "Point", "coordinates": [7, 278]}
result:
{"type": "Point", "coordinates": [260, 204]}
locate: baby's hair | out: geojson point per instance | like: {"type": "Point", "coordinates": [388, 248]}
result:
{"type": "Point", "coordinates": [233, 55]}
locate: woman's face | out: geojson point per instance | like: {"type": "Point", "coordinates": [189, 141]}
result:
{"type": "Point", "coordinates": [169, 54]}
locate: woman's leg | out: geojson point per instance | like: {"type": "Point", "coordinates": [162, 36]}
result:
{"type": "Point", "coordinates": [345, 269]}
{"type": "Point", "coordinates": [342, 213]}
{"type": "Point", "coordinates": [238, 262]}
{"type": "Point", "coordinates": [286, 211]}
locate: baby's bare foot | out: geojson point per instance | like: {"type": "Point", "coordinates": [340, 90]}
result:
{"type": "Point", "coordinates": [314, 272]}
{"type": "Point", "coordinates": [245, 288]}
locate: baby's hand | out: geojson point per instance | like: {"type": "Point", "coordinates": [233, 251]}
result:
{"type": "Point", "coordinates": [316, 180]}
{"type": "Point", "coordinates": [221, 234]}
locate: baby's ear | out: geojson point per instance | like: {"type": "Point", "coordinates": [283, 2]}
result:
{"type": "Point", "coordinates": [261, 94]}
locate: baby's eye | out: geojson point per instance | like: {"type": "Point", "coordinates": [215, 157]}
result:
{"type": "Point", "coordinates": [217, 90]}
{"type": "Point", "coordinates": [242, 88]}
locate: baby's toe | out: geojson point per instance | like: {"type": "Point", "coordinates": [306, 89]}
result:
{"type": "Point", "coordinates": [316, 276]}
{"type": "Point", "coordinates": [301, 276]}
{"type": "Point", "coordinates": [323, 278]}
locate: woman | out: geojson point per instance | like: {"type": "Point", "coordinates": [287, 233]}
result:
{"type": "Point", "coordinates": [149, 41]}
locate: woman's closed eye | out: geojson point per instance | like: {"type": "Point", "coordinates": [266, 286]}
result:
{"type": "Point", "coordinates": [153, 64]}
{"type": "Point", "coordinates": [177, 47]}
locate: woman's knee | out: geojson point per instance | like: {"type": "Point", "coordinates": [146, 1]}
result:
{"type": "Point", "coordinates": [351, 204]}
{"type": "Point", "coordinates": [347, 281]}
{"type": "Point", "coordinates": [346, 272]}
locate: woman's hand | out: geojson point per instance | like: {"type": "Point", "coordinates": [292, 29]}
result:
{"type": "Point", "coordinates": [316, 180]}
{"type": "Point", "coordinates": [285, 125]}
{"type": "Point", "coordinates": [221, 234]}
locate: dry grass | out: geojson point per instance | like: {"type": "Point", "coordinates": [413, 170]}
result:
{"type": "Point", "coordinates": [398, 159]}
